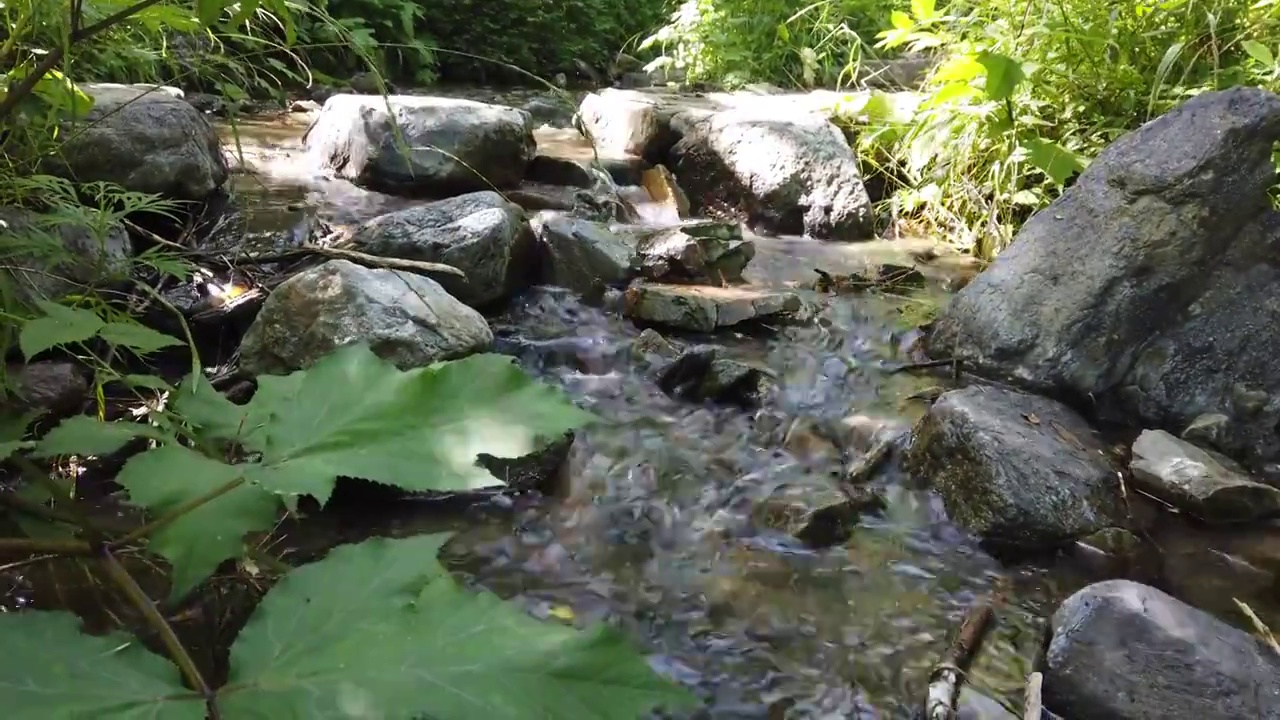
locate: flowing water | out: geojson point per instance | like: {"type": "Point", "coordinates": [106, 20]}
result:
{"type": "Point", "coordinates": [651, 533]}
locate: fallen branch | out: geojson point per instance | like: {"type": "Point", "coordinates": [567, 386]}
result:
{"type": "Point", "coordinates": [947, 676]}
{"type": "Point", "coordinates": [860, 470]}
{"type": "Point", "coordinates": [923, 365]}
{"type": "Point", "coordinates": [391, 263]}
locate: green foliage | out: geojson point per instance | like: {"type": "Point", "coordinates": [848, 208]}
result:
{"type": "Point", "coordinates": [377, 629]}
{"type": "Point", "coordinates": [797, 42]}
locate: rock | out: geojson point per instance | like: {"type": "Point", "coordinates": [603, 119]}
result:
{"type": "Point", "coordinates": [663, 188]}
{"type": "Point", "coordinates": [583, 256]}
{"type": "Point", "coordinates": [706, 374]}
{"type": "Point", "coordinates": [450, 146]}
{"type": "Point", "coordinates": [706, 252]}
{"type": "Point", "coordinates": [549, 110]}
{"type": "Point", "coordinates": [1207, 429]}
{"type": "Point", "coordinates": [814, 510]}
{"type": "Point", "coordinates": [536, 197]}
{"type": "Point", "coordinates": [702, 308]}
{"type": "Point", "coordinates": [56, 386]}
{"type": "Point", "coordinates": [861, 433]}
{"type": "Point", "coordinates": [542, 471]}
{"type": "Point", "coordinates": [1128, 289]}
{"type": "Point", "coordinates": [480, 233]}
{"type": "Point", "coordinates": [623, 123]}
{"type": "Point", "coordinates": [405, 318]}
{"type": "Point", "coordinates": [1187, 477]}
{"type": "Point", "coordinates": [787, 175]}
{"type": "Point", "coordinates": [304, 106]}
{"type": "Point", "coordinates": [1016, 469]}
{"type": "Point", "coordinates": [625, 170]}
{"type": "Point", "coordinates": [206, 103]}
{"type": "Point", "coordinates": [145, 139]}
{"type": "Point", "coordinates": [51, 258]}
{"type": "Point", "coordinates": [1124, 651]}
{"type": "Point", "coordinates": [367, 83]}
{"type": "Point", "coordinates": [559, 171]}
{"type": "Point", "coordinates": [650, 348]}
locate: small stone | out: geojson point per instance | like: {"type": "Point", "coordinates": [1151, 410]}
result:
{"type": "Point", "coordinates": [708, 253]}
{"type": "Point", "coordinates": [701, 308]}
{"type": "Point", "coordinates": [53, 385]}
{"type": "Point", "coordinates": [583, 256]}
{"type": "Point", "coordinates": [705, 374]}
{"type": "Point", "coordinates": [1207, 429]}
{"type": "Point", "coordinates": [814, 510]}
{"type": "Point", "coordinates": [1211, 488]}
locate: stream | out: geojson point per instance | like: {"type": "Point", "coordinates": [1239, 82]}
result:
{"type": "Point", "coordinates": [648, 534]}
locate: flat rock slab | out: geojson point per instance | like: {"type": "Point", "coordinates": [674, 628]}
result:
{"type": "Point", "coordinates": [421, 146]}
{"type": "Point", "coordinates": [1126, 651]}
{"type": "Point", "coordinates": [703, 308]}
{"type": "Point", "coordinates": [1211, 488]}
{"type": "Point", "coordinates": [406, 319]}
{"type": "Point", "coordinates": [1016, 469]}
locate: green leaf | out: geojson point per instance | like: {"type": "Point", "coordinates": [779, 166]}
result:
{"type": "Point", "coordinates": [13, 431]}
{"type": "Point", "coordinates": [85, 435]}
{"type": "Point", "coordinates": [1055, 161]}
{"type": "Point", "coordinates": [354, 414]}
{"type": "Point", "coordinates": [146, 382]}
{"type": "Point", "coordinates": [1004, 74]}
{"type": "Point", "coordinates": [208, 11]}
{"type": "Point", "coordinates": [197, 541]}
{"type": "Point", "coordinates": [199, 403]}
{"type": "Point", "coordinates": [923, 10]}
{"type": "Point", "coordinates": [136, 337]}
{"type": "Point", "coordinates": [49, 669]}
{"type": "Point", "coordinates": [60, 325]}
{"type": "Point", "coordinates": [1259, 52]}
{"type": "Point", "coordinates": [901, 20]}
{"type": "Point", "coordinates": [411, 643]}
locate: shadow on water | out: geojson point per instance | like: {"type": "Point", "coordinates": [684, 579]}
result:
{"type": "Point", "coordinates": [653, 533]}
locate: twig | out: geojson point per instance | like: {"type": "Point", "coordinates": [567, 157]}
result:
{"type": "Point", "coordinates": [947, 676]}
{"type": "Point", "coordinates": [35, 509]}
{"type": "Point", "coordinates": [177, 652]}
{"type": "Point", "coordinates": [923, 365]}
{"type": "Point", "coordinates": [31, 546]}
{"type": "Point", "coordinates": [416, 266]}
{"type": "Point", "coordinates": [860, 470]}
{"type": "Point", "coordinates": [1032, 706]}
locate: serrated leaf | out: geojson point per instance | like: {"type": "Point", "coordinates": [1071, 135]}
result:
{"type": "Point", "coordinates": [198, 541]}
{"type": "Point", "coordinates": [199, 403]}
{"type": "Point", "coordinates": [49, 669]}
{"type": "Point", "coordinates": [85, 435]}
{"type": "Point", "coordinates": [411, 643]}
{"type": "Point", "coordinates": [1004, 74]}
{"type": "Point", "coordinates": [139, 338]}
{"type": "Point", "coordinates": [59, 325]}
{"type": "Point", "coordinates": [355, 414]}
{"type": "Point", "coordinates": [923, 9]}
{"type": "Point", "coordinates": [901, 20]}
{"type": "Point", "coordinates": [1055, 161]}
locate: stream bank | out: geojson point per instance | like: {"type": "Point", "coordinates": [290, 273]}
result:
{"type": "Point", "coordinates": [656, 529]}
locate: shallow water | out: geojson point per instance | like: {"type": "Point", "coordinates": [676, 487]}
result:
{"type": "Point", "coordinates": [652, 532]}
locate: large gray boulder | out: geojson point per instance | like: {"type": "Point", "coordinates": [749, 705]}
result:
{"type": "Point", "coordinates": [421, 146]}
{"type": "Point", "coordinates": [1147, 287]}
{"type": "Point", "coordinates": [789, 174]}
{"type": "Point", "coordinates": [145, 138]}
{"type": "Point", "coordinates": [405, 318]}
{"type": "Point", "coordinates": [1125, 651]}
{"type": "Point", "coordinates": [1016, 469]}
{"type": "Point", "coordinates": [479, 233]}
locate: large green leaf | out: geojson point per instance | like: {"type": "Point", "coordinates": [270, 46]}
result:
{"type": "Point", "coordinates": [1004, 74]}
{"type": "Point", "coordinates": [197, 541]}
{"type": "Point", "coordinates": [59, 325]}
{"type": "Point", "coordinates": [50, 670]}
{"type": "Point", "coordinates": [379, 629]}
{"type": "Point", "coordinates": [86, 435]}
{"type": "Point", "coordinates": [354, 414]}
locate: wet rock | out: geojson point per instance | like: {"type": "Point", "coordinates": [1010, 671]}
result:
{"type": "Point", "coordinates": [146, 139]}
{"type": "Point", "coordinates": [1211, 488]}
{"type": "Point", "coordinates": [702, 308]}
{"type": "Point", "coordinates": [622, 123]}
{"type": "Point", "coordinates": [480, 233]}
{"type": "Point", "coordinates": [51, 258]}
{"type": "Point", "coordinates": [206, 103]}
{"type": "Point", "coordinates": [1207, 430]}
{"type": "Point", "coordinates": [405, 318]}
{"type": "Point", "coordinates": [304, 106]}
{"type": "Point", "coordinates": [583, 256]}
{"type": "Point", "coordinates": [536, 197]}
{"type": "Point", "coordinates": [662, 186]}
{"type": "Point", "coordinates": [542, 471]}
{"type": "Point", "coordinates": [1016, 469]}
{"type": "Point", "coordinates": [706, 252]}
{"type": "Point", "coordinates": [625, 170]}
{"type": "Point", "coordinates": [706, 374]}
{"type": "Point", "coordinates": [814, 510]}
{"type": "Point", "coordinates": [651, 342]}
{"type": "Point", "coordinates": [450, 146]}
{"type": "Point", "coordinates": [53, 385]}
{"type": "Point", "coordinates": [1123, 651]}
{"type": "Point", "coordinates": [560, 171]}
{"type": "Point", "coordinates": [367, 83]}
{"type": "Point", "coordinates": [973, 705]}
{"type": "Point", "coordinates": [550, 110]}
{"type": "Point", "coordinates": [1129, 288]}
{"type": "Point", "coordinates": [787, 174]}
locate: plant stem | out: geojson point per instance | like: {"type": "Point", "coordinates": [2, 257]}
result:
{"type": "Point", "coordinates": [177, 652]}
{"type": "Point", "coordinates": [35, 509]}
{"type": "Point", "coordinates": [29, 546]}
{"type": "Point", "coordinates": [178, 512]}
